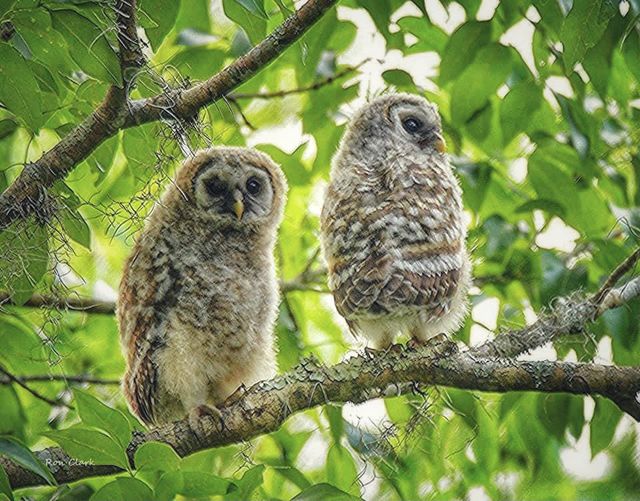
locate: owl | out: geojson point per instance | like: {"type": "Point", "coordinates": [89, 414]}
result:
{"type": "Point", "coordinates": [392, 227]}
{"type": "Point", "coordinates": [198, 298]}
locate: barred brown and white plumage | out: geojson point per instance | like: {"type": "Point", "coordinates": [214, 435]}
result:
{"type": "Point", "coordinates": [392, 225]}
{"type": "Point", "coordinates": [198, 298]}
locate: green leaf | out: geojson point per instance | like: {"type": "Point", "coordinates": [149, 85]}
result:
{"type": "Point", "coordinates": [90, 445]}
{"type": "Point", "coordinates": [76, 227]}
{"type": "Point", "coordinates": [517, 108]}
{"type": "Point", "coordinates": [96, 414]}
{"type": "Point", "coordinates": [156, 456]}
{"type": "Point", "coordinates": [12, 417]}
{"type": "Point", "coordinates": [583, 27]}
{"type": "Point", "coordinates": [462, 48]}
{"type": "Point", "coordinates": [341, 469]}
{"type": "Point", "coordinates": [380, 11]}
{"type": "Point", "coordinates": [291, 163]}
{"type": "Point", "coordinates": [123, 489]}
{"type": "Point", "coordinates": [194, 15]}
{"type": "Point", "coordinates": [198, 62]}
{"type": "Point", "coordinates": [252, 20]}
{"type": "Point", "coordinates": [487, 72]}
{"type": "Point", "coordinates": [191, 484]}
{"type": "Point", "coordinates": [487, 444]}
{"type": "Point", "coordinates": [430, 37]}
{"type": "Point", "coordinates": [553, 413]}
{"type": "Point", "coordinates": [5, 486]}
{"type": "Point", "coordinates": [250, 481]}
{"type": "Point", "coordinates": [158, 18]}
{"type": "Point", "coordinates": [323, 492]}
{"type": "Point", "coordinates": [88, 46]}
{"type": "Point", "coordinates": [7, 127]}
{"type": "Point", "coordinates": [256, 7]}
{"type": "Point", "coordinates": [19, 90]}
{"type": "Point", "coordinates": [19, 453]}
{"type": "Point", "coordinates": [399, 78]}
{"type": "Point", "coordinates": [45, 44]}
{"type": "Point", "coordinates": [606, 416]}
{"type": "Point", "coordinates": [336, 422]}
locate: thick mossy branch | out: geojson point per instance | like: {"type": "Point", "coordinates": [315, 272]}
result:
{"type": "Point", "coordinates": [26, 194]}
{"type": "Point", "coordinates": [264, 407]}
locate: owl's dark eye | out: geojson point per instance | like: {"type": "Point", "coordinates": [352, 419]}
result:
{"type": "Point", "coordinates": [215, 187]}
{"type": "Point", "coordinates": [253, 186]}
{"type": "Point", "coordinates": [412, 124]}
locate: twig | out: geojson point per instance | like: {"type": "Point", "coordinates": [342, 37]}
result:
{"type": "Point", "coordinates": [33, 392]}
{"type": "Point", "coordinates": [617, 274]}
{"type": "Point", "coordinates": [230, 98]}
{"type": "Point", "coordinates": [299, 90]}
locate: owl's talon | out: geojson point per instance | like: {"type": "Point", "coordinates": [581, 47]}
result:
{"type": "Point", "coordinates": [197, 413]}
{"type": "Point", "coordinates": [371, 353]}
{"type": "Point", "coordinates": [440, 344]}
{"type": "Point", "coordinates": [236, 395]}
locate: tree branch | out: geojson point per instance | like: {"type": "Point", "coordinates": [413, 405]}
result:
{"type": "Point", "coordinates": [26, 194]}
{"type": "Point", "coordinates": [130, 49]}
{"type": "Point", "coordinates": [265, 406]}
{"type": "Point", "coordinates": [54, 378]}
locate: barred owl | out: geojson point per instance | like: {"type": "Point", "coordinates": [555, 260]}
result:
{"type": "Point", "coordinates": [392, 225]}
{"type": "Point", "coordinates": [198, 298]}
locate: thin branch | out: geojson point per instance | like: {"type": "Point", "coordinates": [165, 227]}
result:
{"type": "Point", "coordinates": [33, 392]}
{"type": "Point", "coordinates": [26, 194]}
{"type": "Point", "coordinates": [299, 90]}
{"type": "Point", "coordinates": [568, 316]}
{"type": "Point", "coordinates": [51, 378]}
{"type": "Point", "coordinates": [130, 49]}
{"type": "Point", "coordinates": [265, 406]}
{"type": "Point", "coordinates": [310, 281]}
{"type": "Point", "coordinates": [617, 274]}
{"type": "Point", "coordinates": [620, 295]}
{"type": "Point", "coordinates": [87, 305]}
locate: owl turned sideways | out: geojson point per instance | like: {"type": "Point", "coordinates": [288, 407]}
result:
{"type": "Point", "coordinates": [392, 225]}
{"type": "Point", "coordinates": [198, 298]}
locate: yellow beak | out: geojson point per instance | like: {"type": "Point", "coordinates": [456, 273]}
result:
{"type": "Point", "coordinates": [441, 146]}
{"type": "Point", "coordinates": [238, 208]}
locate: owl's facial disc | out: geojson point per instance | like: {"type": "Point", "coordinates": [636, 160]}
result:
{"type": "Point", "coordinates": [236, 194]}
{"type": "Point", "coordinates": [417, 123]}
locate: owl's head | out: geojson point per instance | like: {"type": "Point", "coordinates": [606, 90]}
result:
{"type": "Point", "coordinates": [234, 187]}
{"type": "Point", "coordinates": [399, 121]}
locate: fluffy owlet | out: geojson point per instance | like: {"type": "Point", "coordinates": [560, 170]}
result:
{"type": "Point", "coordinates": [199, 294]}
{"type": "Point", "coordinates": [392, 225]}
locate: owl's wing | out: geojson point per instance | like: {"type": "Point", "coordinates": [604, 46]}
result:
{"type": "Point", "coordinates": [141, 315]}
{"type": "Point", "coordinates": [141, 385]}
{"type": "Point", "coordinates": [376, 289]}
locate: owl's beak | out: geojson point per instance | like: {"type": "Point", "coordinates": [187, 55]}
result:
{"type": "Point", "coordinates": [439, 143]}
{"type": "Point", "coordinates": [238, 208]}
